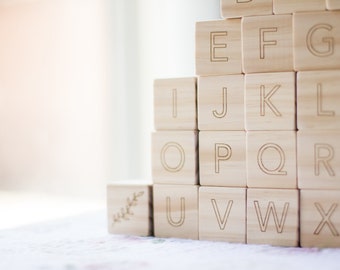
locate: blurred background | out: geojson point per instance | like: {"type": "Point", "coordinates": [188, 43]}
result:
{"type": "Point", "coordinates": [76, 78]}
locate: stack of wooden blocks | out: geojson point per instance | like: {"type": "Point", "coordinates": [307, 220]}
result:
{"type": "Point", "coordinates": [252, 156]}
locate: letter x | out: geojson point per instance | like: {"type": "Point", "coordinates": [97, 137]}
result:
{"type": "Point", "coordinates": [326, 219]}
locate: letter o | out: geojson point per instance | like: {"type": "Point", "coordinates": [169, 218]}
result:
{"type": "Point", "coordinates": [181, 162]}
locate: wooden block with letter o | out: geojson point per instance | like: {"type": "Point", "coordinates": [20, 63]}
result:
{"type": "Point", "coordinates": [291, 6]}
{"type": "Point", "coordinates": [333, 4]}
{"type": "Point", "coordinates": [240, 8]}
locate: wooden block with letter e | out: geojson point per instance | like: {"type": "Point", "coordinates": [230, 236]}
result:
{"type": "Point", "coordinates": [240, 8]}
{"type": "Point", "coordinates": [291, 6]}
{"type": "Point", "coordinates": [271, 159]}
{"type": "Point", "coordinates": [318, 159]}
{"type": "Point", "coordinates": [175, 104]}
{"type": "Point", "coordinates": [174, 158]}
{"type": "Point", "coordinates": [267, 43]}
{"type": "Point", "coordinates": [318, 99]}
{"type": "Point", "coordinates": [222, 214]}
{"type": "Point", "coordinates": [270, 101]}
{"type": "Point", "coordinates": [333, 4]}
{"type": "Point", "coordinates": [221, 102]}
{"type": "Point", "coordinates": [129, 208]}
{"type": "Point", "coordinates": [320, 218]}
{"type": "Point", "coordinates": [273, 217]}
{"type": "Point", "coordinates": [176, 211]}
{"type": "Point", "coordinates": [218, 47]}
{"type": "Point", "coordinates": [316, 40]}
{"type": "Point", "coordinates": [222, 158]}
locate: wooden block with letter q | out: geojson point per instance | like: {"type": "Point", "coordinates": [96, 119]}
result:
{"type": "Point", "coordinates": [291, 6]}
{"type": "Point", "coordinates": [333, 4]}
{"type": "Point", "coordinates": [240, 8]}
{"type": "Point", "coordinates": [273, 217]}
{"type": "Point", "coordinates": [129, 208]}
{"type": "Point", "coordinates": [316, 40]}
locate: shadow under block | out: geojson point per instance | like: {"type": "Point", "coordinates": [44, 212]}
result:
{"type": "Point", "coordinates": [318, 99]}
{"type": "Point", "coordinates": [291, 6]}
{"type": "Point", "coordinates": [175, 104]}
{"type": "Point", "coordinates": [176, 211]}
{"type": "Point", "coordinates": [218, 47]}
{"type": "Point", "coordinates": [129, 208]}
{"type": "Point", "coordinates": [320, 218]}
{"type": "Point", "coordinates": [240, 8]}
{"type": "Point", "coordinates": [222, 158]}
{"type": "Point", "coordinates": [271, 159]}
{"type": "Point", "coordinates": [267, 43]}
{"type": "Point", "coordinates": [221, 102]}
{"type": "Point", "coordinates": [174, 158]}
{"type": "Point", "coordinates": [270, 101]}
{"type": "Point", "coordinates": [316, 40]}
{"type": "Point", "coordinates": [318, 159]}
{"type": "Point", "coordinates": [222, 214]}
{"type": "Point", "coordinates": [273, 217]}
{"type": "Point", "coordinates": [333, 4]}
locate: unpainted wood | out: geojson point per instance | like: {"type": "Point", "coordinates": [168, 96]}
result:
{"type": "Point", "coordinates": [240, 8]}
{"type": "Point", "coordinates": [333, 4]}
{"type": "Point", "coordinates": [291, 6]}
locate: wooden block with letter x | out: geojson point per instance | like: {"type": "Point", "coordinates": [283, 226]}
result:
{"type": "Point", "coordinates": [291, 6]}
{"type": "Point", "coordinates": [240, 8]}
{"type": "Point", "coordinates": [333, 4]}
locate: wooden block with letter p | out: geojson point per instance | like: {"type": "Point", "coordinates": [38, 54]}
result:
{"type": "Point", "coordinates": [129, 208]}
{"type": "Point", "coordinates": [291, 6]}
{"type": "Point", "coordinates": [333, 4]}
{"type": "Point", "coordinates": [273, 217]}
{"type": "Point", "coordinates": [240, 8]}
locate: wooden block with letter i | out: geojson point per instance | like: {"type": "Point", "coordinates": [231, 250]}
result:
{"type": "Point", "coordinates": [273, 217]}
{"type": "Point", "coordinates": [129, 208]}
{"type": "Point", "coordinates": [240, 8]}
{"type": "Point", "coordinates": [333, 4]}
{"type": "Point", "coordinates": [176, 211]}
{"type": "Point", "coordinates": [291, 6]}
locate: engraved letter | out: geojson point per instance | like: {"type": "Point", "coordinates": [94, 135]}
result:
{"type": "Point", "coordinates": [218, 48]}
{"type": "Point", "coordinates": [265, 99]}
{"type": "Point", "coordinates": [174, 103]}
{"type": "Point", "coordinates": [323, 154]}
{"type": "Point", "coordinates": [264, 42]}
{"type": "Point", "coordinates": [321, 112]}
{"type": "Point", "coordinates": [275, 171]}
{"type": "Point", "coordinates": [165, 162]}
{"type": "Point", "coordinates": [329, 41]}
{"type": "Point", "coordinates": [222, 222]}
{"type": "Point", "coordinates": [326, 219]}
{"type": "Point", "coordinates": [223, 113]}
{"type": "Point", "coordinates": [219, 155]}
{"type": "Point", "coordinates": [181, 220]}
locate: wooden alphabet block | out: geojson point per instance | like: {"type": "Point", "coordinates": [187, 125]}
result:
{"type": "Point", "coordinates": [240, 8]}
{"type": "Point", "coordinates": [129, 208]}
{"type": "Point", "coordinates": [267, 43]}
{"type": "Point", "coordinates": [316, 40]}
{"type": "Point", "coordinates": [291, 6]}
{"type": "Point", "coordinates": [318, 159]}
{"type": "Point", "coordinates": [270, 101]}
{"type": "Point", "coordinates": [218, 47]}
{"type": "Point", "coordinates": [273, 217]}
{"type": "Point", "coordinates": [222, 214]}
{"type": "Point", "coordinates": [176, 211]}
{"type": "Point", "coordinates": [221, 102]}
{"type": "Point", "coordinates": [333, 4]}
{"type": "Point", "coordinates": [318, 99]}
{"type": "Point", "coordinates": [175, 104]}
{"type": "Point", "coordinates": [222, 158]}
{"type": "Point", "coordinates": [174, 158]}
{"type": "Point", "coordinates": [320, 218]}
{"type": "Point", "coordinates": [271, 159]}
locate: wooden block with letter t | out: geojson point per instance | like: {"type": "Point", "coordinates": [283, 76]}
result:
{"type": "Point", "coordinates": [176, 211]}
{"type": "Point", "coordinates": [267, 43]}
{"type": "Point", "coordinates": [129, 208]}
{"type": "Point", "coordinates": [291, 6]}
{"type": "Point", "coordinates": [240, 8]}
{"type": "Point", "coordinates": [316, 40]}
{"type": "Point", "coordinates": [273, 217]}
{"type": "Point", "coordinates": [333, 4]}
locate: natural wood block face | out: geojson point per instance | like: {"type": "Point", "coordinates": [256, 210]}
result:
{"type": "Point", "coordinates": [318, 98]}
{"type": "Point", "coordinates": [318, 159]}
{"type": "Point", "coordinates": [221, 102]}
{"type": "Point", "coordinates": [176, 211]}
{"type": "Point", "coordinates": [270, 101]}
{"type": "Point", "coordinates": [291, 6]}
{"type": "Point", "coordinates": [333, 4]}
{"type": "Point", "coordinates": [320, 218]}
{"type": "Point", "coordinates": [174, 158]}
{"type": "Point", "coordinates": [272, 217]}
{"type": "Point", "coordinates": [222, 158]}
{"type": "Point", "coordinates": [222, 214]}
{"type": "Point", "coordinates": [240, 8]}
{"type": "Point", "coordinates": [316, 40]}
{"type": "Point", "coordinates": [267, 43]}
{"type": "Point", "coordinates": [271, 159]}
{"type": "Point", "coordinates": [218, 47]}
{"type": "Point", "coordinates": [129, 208]}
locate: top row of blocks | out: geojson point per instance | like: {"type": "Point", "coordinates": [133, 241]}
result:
{"type": "Point", "coordinates": [241, 8]}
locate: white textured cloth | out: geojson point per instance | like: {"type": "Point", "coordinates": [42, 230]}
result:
{"type": "Point", "coordinates": [82, 242]}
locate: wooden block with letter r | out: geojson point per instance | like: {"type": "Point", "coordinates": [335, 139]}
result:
{"type": "Point", "coordinates": [291, 6]}
{"type": "Point", "coordinates": [240, 8]}
{"type": "Point", "coordinates": [333, 4]}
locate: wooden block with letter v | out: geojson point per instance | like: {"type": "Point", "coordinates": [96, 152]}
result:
{"type": "Point", "coordinates": [176, 211]}
{"type": "Point", "coordinates": [175, 104]}
{"type": "Point", "coordinates": [291, 6]}
{"type": "Point", "coordinates": [273, 217]}
{"type": "Point", "coordinates": [240, 8]}
{"type": "Point", "coordinates": [320, 218]}
{"type": "Point", "coordinates": [129, 208]}
{"type": "Point", "coordinates": [333, 4]}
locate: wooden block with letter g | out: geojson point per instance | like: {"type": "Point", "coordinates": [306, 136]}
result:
{"type": "Point", "coordinates": [316, 40]}
{"type": "Point", "coordinates": [218, 47]}
{"type": "Point", "coordinates": [240, 8]}
{"type": "Point", "coordinates": [291, 6]}
{"type": "Point", "coordinates": [320, 218]}
{"type": "Point", "coordinates": [267, 43]}
{"type": "Point", "coordinates": [273, 217]}
{"type": "Point", "coordinates": [333, 4]}
{"type": "Point", "coordinates": [175, 104]}
{"type": "Point", "coordinates": [176, 211]}
{"type": "Point", "coordinates": [129, 208]}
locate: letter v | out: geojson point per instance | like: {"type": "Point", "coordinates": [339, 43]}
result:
{"type": "Point", "coordinates": [222, 222]}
